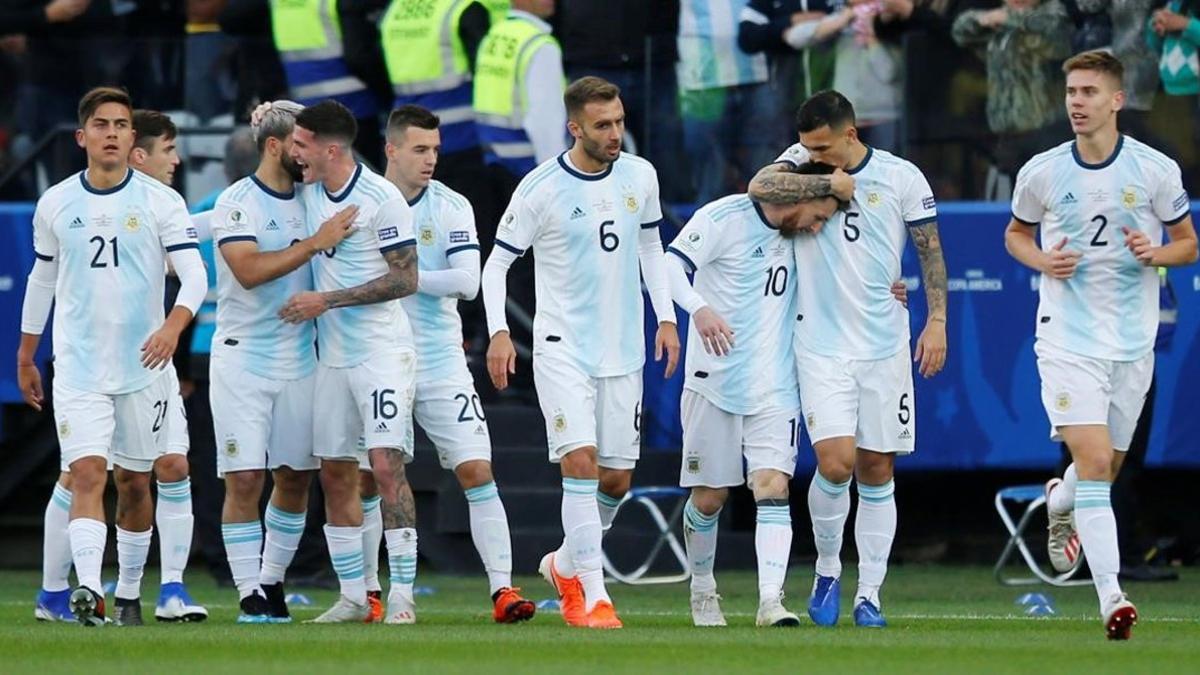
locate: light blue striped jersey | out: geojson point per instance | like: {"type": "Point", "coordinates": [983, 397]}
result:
{"type": "Point", "coordinates": [746, 273]}
{"type": "Point", "coordinates": [584, 232]}
{"type": "Point", "coordinates": [846, 308]}
{"type": "Point", "coordinates": [347, 336]}
{"type": "Point", "coordinates": [709, 55]}
{"type": "Point", "coordinates": [1109, 308]}
{"type": "Point", "coordinates": [250, 334]}
{"type": "Point", "coordinates": [445, 227]}
{"type": "Point", "coordinates": [110, 246]}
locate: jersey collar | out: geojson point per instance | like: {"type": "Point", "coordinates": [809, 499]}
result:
{"type": "Point", "coordinates": [1096, 167]}
{"type": "Point", "coordinates": [562, 161]}
{"type": "Point", "coordinates": [106, 191]}
{"type": "Point", "coordinates": [762, 216]}
{"type": "Point", "coordinates": [419, 197]}
{"type": "Point", "coordinates": [277, 195]}
{"type": "Point", "coordinates": [349, 186]}
{"type": "Point", "coordinates": [863, 164]}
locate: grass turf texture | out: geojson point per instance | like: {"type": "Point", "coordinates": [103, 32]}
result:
{"type": "Point", "coordinates": [942, 620]}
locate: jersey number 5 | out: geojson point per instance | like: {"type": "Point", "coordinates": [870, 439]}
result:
{"type": "Point", "coordinates": [849, 228]}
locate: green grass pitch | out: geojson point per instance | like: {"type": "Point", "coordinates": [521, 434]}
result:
{"type": "Point", "coordinates": [943, 620]}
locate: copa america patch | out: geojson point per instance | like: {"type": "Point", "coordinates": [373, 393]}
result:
{"type": "Point", "coordinates": [459, 236]}
{"type": "Point", "coordinates": [928, 203]}
{"type": "Point", "coordinates": [192, 233]}
{"type": "Point", "coordinates": [388, 233]}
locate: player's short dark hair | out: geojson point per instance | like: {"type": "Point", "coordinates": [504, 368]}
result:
{"type": "Point", "coordinates": [587, 90]}
{"type": "Point", "coordinates": [329, 120]}
{"type": "Point", "coordinates": [1097, 60]}
{"type": "Point", "coordinates": [98, 97]}
{"type": "Point", "coordinates": [825, 108]}
{"type": "Point", "coordinates": [410, 115]}
{"type": "Point", "coordinates": [149, 125]}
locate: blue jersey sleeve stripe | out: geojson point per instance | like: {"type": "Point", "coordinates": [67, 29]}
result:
{"type": "Point", "coordinates": [239, 237]}
{"type": "Point", "coordinates": [1179, 218]}
{"type": "Point", "coordinates": [509, 247]}
{"type": "Point", "coordinates": [921, 221]}
{"type": "Point", "coordinates": [47, 258]}
{"type": "Point", "coordinates": [650, 226]}
{"type": "Point", "coordinates": [399, 244]}
{"type": "Point", "coordinates": [185, 245]}
{"type": "Point", "coordinates": [1024, 222]}
{"type": "Point", "coordinates": [691, 265]}
{"type": "Point", "coordinates": [459, 249]}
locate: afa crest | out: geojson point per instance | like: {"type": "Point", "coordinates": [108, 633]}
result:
{"type": "Point", "coordinates": [231, 447]}
{"type": "Point", "coordinates": [631, 203]}
{"type": "Point", "coordinates": [873, 199]}
{"type": "Point", "coordinates": [426, 235]}
{"type": "Point", "coordinates": [560, 422]}
{"type": "Point", "coordinates": [1129, 197]}
{"type": "Point", "coordinates": [132, 223]}
{"type": "Point", "coordinates": [1062, 402]}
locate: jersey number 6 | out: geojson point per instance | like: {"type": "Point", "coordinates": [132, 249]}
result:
{"type": "Point", "coordinates": [609, 241]}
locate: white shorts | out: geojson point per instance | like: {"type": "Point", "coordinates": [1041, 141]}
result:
{"type": "Point", "coordinates": [177, 430]}
{"type": "Point", "coordinates": [365, 406]}
{"type": "Point", "coordinates": [1079, 390]}
{"type": "Point", "coordinates": [871, 401]}
{"type": "Point", "coordinates": [715, 441]}
{"type": "Point", "coordinates": [450, 413]}
{"type": "Point", "coordinates": [260, 423]}
{"type": "Point", "coordinates": [129, 430]}
{"type": "Point", "coordinates": [581, 411]}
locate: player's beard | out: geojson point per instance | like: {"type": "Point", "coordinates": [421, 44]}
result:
{"type": "Point", "coordinates": [597, 152]}
{"type": "Point", "coordinates": [291, 168]}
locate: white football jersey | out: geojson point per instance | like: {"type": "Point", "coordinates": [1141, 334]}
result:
{"type": "Point", "coordinates": [584, 232]}
{"type": "Point", "coordinates": [846, 308]}
{"type": "Point", "coordinates": [445, 226]}
{"type": "Point", "coordinates": [250, 335]}
{"type": "Point", "coordinates": [347, 336]}
{"type": "Point", "coordinates": [746, 273]}
{"type": "Point", "coordinates": [1109, 308]}
{"type": "Point", "coordinates": [111, 250]}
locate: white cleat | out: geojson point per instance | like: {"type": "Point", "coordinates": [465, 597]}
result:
{"type": "Point", "coordinates": [401, 608]}
{"type": "Point", "coordinates": [344, 610]}
{"type": "Point", "coordinates": [773, 613]}
{"type": "Point", "coordinates": [1120, 616]}
{"type": "Point", "coordinates": [706, 610]}
{"type": "Point", "coordinates": [1063, 544]}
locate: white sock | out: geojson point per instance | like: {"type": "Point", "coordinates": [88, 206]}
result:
{"type": "Point", "coordinates": [700, 539]}
{"type": "Point", "coordinates": [772, 546]}
{"type": "Point", "coordinates": [829, 506]}
{"type": "Point", "coordinates": [402, 559]}
{"type": "Point", "coordinates": [88, 537]}
{"type": "Point", "coordinates": [874, 530]}
{"type": "Point", "coordinates": [173, 516]}
{"type": "Point", "coordinates": [1098, 534]}
{"type": "Point", "coordinates": [489, 531]}
{"type": "Point", "coordinates": [284, 530]}
{"type": "Point", "coordinates": [581, 525]}
{"type": "Point", "coordinates": [608, 510]}
{"type": "Point", "coordinates": [372, 537]}
{"type": "Point", "coordinates": [56, 545]}
{"type": "Point", "coordinates": [243, 547]}
{"type": "Point", "coordinates": [346, 553]}
{"type": "Point", "coordinates": [133, 548]}
{"type": "Point", "coordinates": [1062, 499]}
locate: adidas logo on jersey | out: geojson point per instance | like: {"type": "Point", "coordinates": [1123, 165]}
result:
{"type": "Point", "coordinates": [479, 431]}
{"type": "Point", "coordinates": [905, 434]}
{"type": "Point", "coordinates": [577, 213]}
{"type": "Point", "coordinates": [273, 226]}
{"type": "Point", "coordinates": [381, 427]}
{"type": "Point", "coordinates": [76, 224]}
{"type": "Point", "coordinates": [1069, 199]}
{"type": "Point", "coordinates": [758, 253]}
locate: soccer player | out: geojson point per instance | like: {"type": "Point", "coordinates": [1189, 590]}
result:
{"type": "Point", "coordinates": [852, 341]}
{"type": "Point", "coordinates": [740, 396]}
{"type": "Point", "coordinates": [367, 365]}
{"type": "Point", "coordinates": [592, 216]}
{"type": "Point", "coordinates": [447, 406]}
{"type": "Point", "coordinates": [1102, 201]}
{"type": "Point", "coordinates": [100, 236]}
{"type": "Point", "coordinates": [262, 370]}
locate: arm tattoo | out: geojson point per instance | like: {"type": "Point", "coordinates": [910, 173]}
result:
{"type": "Point", "coordinates": [403, 511]}
{"type": "Point", "coordinates": [776, 184]}
{"type": "Point", "coordinates": [400, 281]}
{"type": "Point", "coordinates": [933, 266]}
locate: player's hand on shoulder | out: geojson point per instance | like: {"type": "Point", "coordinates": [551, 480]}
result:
{"type": "Point", "coordinates": [842, 185]}
{"type": "Point", "coordinates": [29, 379]}
{"type": "Point", "coordinates": [159, 348]}
{"type": "Point", "coordinates": [1139, 245]}
{"type": "Point", "coordinates": [716, 335]}
{"type": "Point", "coordinates": [333, 231]}
{"type": "Point", "coordinates": [501, 359]}
{"type": "Point", "coordinates": [1061, 262]}
{"type": "Point", "coordinates": [666, 340]}
{"type": "Point", "coordinates": [304, 306]}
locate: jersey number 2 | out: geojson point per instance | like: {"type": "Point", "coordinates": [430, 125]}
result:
{"type": "Point", "coordinates": [1096, 240]}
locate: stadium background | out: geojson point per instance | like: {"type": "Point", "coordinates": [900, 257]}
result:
{"type": "Point", "coordinates": [981, 425]}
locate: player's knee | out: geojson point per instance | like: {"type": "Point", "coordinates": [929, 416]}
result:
{"type": "Point", "coordinates": [835, 469]}
{"type": "Point", "coordinates": [292, 482]}
{"type": "Point", "coordinates": [366, 484]}
{"type": "Point", "coordinates": [615, 482]}
{"type": "Point", "coordinates": [88, 477]}
{"type": "Point", "coordinates": [132, 487]}
{"type": "Point", "coordinates": [1094, 467]}
{"type": "Point", "coordinates": [580, 463]}
{"type": "Point", "coordinates": [473, 474]}
{"type": "Point", "coordinates": [709, 500]}
{"type": "Point", "coordinates": [64, 479]}
{"type": "Point", "coordinates": [768, 484]}
{"type": "Point", "coordinates": [339, 480]}
{"type": "Point", "coordinates": [171, 468]}
{"type": "Point", "coordinates": [242, 487]}
{"type": "Point", "coordinates": [874, 468]}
